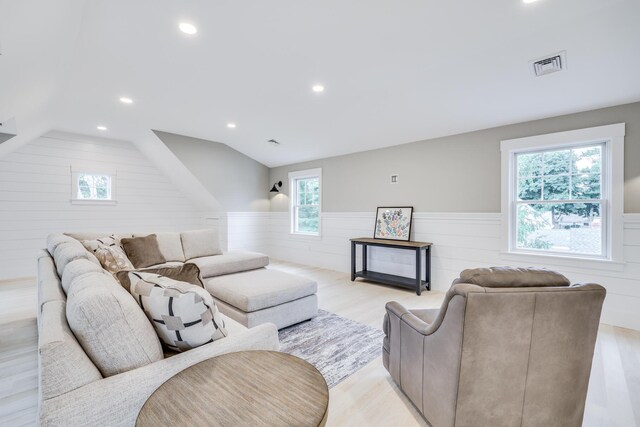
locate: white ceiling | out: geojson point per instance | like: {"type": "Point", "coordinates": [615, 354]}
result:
{"type": "Point", "coordinates": [394, 71]}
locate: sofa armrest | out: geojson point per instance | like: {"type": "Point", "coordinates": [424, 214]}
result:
{"type": "Point", "coordinates": [117, 400]}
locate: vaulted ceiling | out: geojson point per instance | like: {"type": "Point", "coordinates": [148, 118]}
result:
{"type": "Point", "coordinates": [393, 71]}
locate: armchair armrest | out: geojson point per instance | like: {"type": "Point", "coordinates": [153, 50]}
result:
{"type": "Point", "coordinates": [117, 400]}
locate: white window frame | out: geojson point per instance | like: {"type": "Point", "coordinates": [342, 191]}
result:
{"type": "Point", "coordinates": [612, 138]}
{"type": "Point", "coordinates": [88, 169]}
{"type": "Point", "coordinates": [293, 197]}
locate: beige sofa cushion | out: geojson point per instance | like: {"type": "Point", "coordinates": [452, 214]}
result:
{"type": "Point", "coordinates": [56, 239]}
{"type": "Point", "coordinates": [170, 245]}
{"type": "Point", "coordinates": [230, 262]}
{"type": "Point", "coordinates": [512, 277]}
{"type": "Point", "coordinates": [258, 289]}
{"type": "Point", "coordinates": [110, 325]}
{"type": "Point", "coordinates": [64, 366]}
{"type": "Point", "coordinates": [143, 251]}
{"type": "Point", "coordinates": [183, 315]}
{"type": "Point", "coordinates": [49, 288]}
{"type": "Point", "coordinates": [199, 243]}
{"type": "Point", "coordinates": [77, 268]}
{"type": "Point", "coordinates": [70, 251]}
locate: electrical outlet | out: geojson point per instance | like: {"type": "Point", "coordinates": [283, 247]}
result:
{"type": "Point", "coordinates": [394, 178]}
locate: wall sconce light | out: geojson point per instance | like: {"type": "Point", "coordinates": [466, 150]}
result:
{"type": "Point", "coordinates": [275, 187]}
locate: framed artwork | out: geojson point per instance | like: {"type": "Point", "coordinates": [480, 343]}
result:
{"type": "Point", "coordinates": [393, 223]}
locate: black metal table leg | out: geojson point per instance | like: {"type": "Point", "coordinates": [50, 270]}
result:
{"type": "Point", "coordinates": [418, 272]}
{"type": "Point", "coordinates": [427, 267]}
{"type": "Point", "coordinates": [364, 258]}
{"type": "Point", "coordinates": [353, 261]}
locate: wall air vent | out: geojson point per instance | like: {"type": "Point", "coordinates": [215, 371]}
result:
{"type": "Point", "coordinates": [550, 64]}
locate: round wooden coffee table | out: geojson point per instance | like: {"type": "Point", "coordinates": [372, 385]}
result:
{"type": "Point", "coordinates": [247, 388]}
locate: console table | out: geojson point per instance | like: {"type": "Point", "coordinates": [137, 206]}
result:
{"type": "Point", "coordinates": [391, 279]}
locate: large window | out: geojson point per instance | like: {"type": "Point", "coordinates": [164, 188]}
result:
{"type": "Point", "coordinates": [562, 193]}
{"type": "Point", "coordinates": [306, 201]}
{"type": "Point", "coordinates": [559, 201]}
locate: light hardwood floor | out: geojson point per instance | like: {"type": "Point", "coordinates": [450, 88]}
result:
{"type": "Point", "coordinates": [368, 397]}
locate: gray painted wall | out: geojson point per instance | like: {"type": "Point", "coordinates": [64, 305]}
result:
{"type": "Point", "coordinates": [238, 182]}
{"type": "Point", "coordinates": [459, 173]}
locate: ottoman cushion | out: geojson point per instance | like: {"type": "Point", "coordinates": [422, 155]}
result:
{"type": "Point", "coordinates": [258, 289]}
{"type": "Point", "coordinates": [230, 262]}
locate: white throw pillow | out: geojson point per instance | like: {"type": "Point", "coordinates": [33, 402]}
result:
{"type": "Point", "coordinates": [184, 315]}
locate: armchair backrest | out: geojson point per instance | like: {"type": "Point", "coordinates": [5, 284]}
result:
{"type": "Point", "coordinates": [526, 347]}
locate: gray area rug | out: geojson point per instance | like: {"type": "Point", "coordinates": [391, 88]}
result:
{"type": "Point", "coordinates": [336, 346]}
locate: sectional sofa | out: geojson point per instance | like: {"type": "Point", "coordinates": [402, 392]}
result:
{"type": "Point", "coordinates": [101, 371]}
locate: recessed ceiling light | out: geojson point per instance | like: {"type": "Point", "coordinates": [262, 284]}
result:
{"type": "Point", "coordinates": [187, 28]}
{"type": "Point", "coordinates": [126, 100]}
{"type": "Point", "coordinates": [529, 1]}
{"type": "Point", "coordinates": [231, 125]}
{"type": "Point", "coordinates": [317, 88]}
{"type": "Point", "coordinates": [101, 127]}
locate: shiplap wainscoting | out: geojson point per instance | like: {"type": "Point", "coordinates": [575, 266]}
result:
{"type": "Point", "coordinates": [35, 193]}
{"type": "Point", "coordinates": [461, 240]}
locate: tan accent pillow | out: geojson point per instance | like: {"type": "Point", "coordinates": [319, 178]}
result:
{"type": "Point", "coordinates": [143, 251]}
{"type": "Point", "coordinates": [189, 273]}
{"type": "Point", "coordinates": [109, 253]}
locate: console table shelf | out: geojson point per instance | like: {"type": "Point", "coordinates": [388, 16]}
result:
{"type": "Point", "coordinates": [415, 283]}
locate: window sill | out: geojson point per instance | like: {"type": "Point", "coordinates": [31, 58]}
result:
{"type": "Point", "coordinates": [93, 202]}
{"type": "Point", "coordinates": [564, 261]}
{"type": "Point", "coordinates": [303, 236]}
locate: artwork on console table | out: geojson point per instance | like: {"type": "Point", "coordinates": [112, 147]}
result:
{"type": "Point", "coordinates": [393, 223]}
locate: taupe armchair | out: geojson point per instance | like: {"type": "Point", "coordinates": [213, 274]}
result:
{"type": "Point", "coordinates": [508, 347]}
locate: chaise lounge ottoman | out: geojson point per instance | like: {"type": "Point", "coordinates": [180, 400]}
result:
{"type": "Point", "coordinates": [265, 295]}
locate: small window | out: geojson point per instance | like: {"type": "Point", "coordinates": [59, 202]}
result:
{"type": "Point", "coordinates": [305, 201]}
{"type": "Point", "coordinates": [93, 186]}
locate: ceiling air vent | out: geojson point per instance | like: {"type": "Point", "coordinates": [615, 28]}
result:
{"type": "Point", "coordinates": [550, 64]}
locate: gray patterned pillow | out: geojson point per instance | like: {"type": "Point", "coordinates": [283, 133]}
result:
{"type": "Point", "coordinates": [184, 315]}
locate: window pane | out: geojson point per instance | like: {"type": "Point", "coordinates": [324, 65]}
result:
{"type": "Point", "coordinates": [102, 193]}
{"type": "Point", "coordinates": [556, 162]}
{"type": "Point", "coordinates": [84, 192]}
{"type": "Point", "coordinates": [561, 227]}
{"type": "Point", "coordinates": [556, 187]}
{"type": "Point", "coordinates": [313, 185]}
{"type": "Point", "coordinates": [586, 159]}
{"type": "Point", "coordinates": [530, 164]}
{"type": "Point", "coordinates": [530, 188]}
{"type": "Point", "coordinates": [585, 186]}
{"type": "Point", "coordinates": [301, 186]}
{"type": "Point", "coordinates": [308, 219]}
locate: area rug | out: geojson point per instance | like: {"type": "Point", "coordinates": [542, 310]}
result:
{"type": "Point", "coordinates": [336, 346]}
